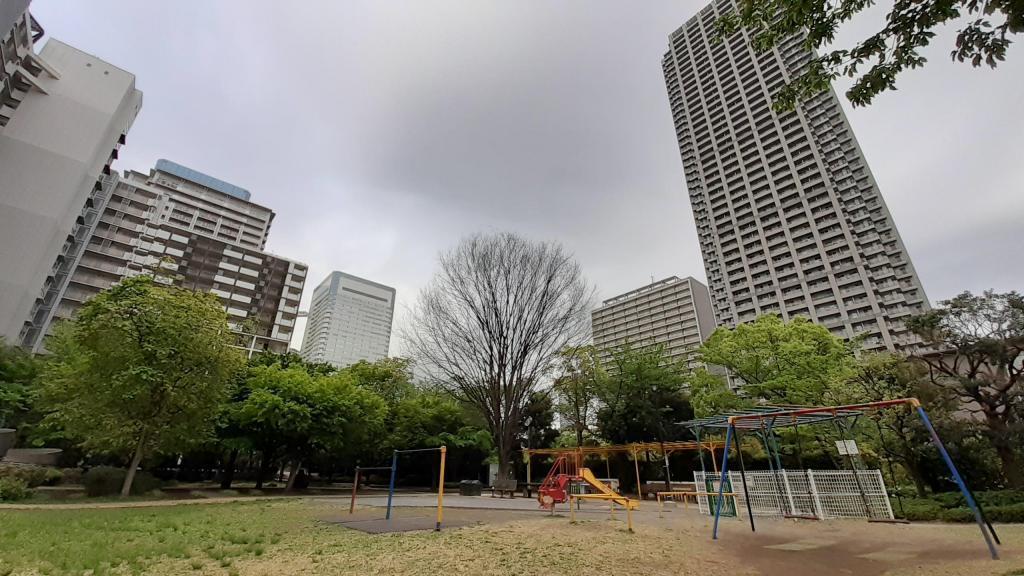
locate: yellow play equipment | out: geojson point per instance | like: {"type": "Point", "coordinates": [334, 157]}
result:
{"type": "Point", "coordinates": [555, 488]}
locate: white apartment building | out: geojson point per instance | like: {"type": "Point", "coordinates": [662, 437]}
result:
{"type": "Point", "coordinates": [349, 320]}
{"type": "Point", "coordinates": [674, 313]}
{"type": "Point", "coordinates": [188, 229]}
{"type": "Point", "coordinates": [790, 219]}
{"type": "Point", "coordinates": [63, 116]}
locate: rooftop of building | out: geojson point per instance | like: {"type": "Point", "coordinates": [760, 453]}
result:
{"type": "Point", "coordinates": [202, 179]}
{"type": "Point", "coordinates": [339, 274]}
{"type": "Point", "coordinates": [647, 289]}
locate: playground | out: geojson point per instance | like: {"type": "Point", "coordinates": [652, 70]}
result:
{"type": "Point", "coordinates": [493, 536]}
{"type": "Point", "coordinates": [786, 522]}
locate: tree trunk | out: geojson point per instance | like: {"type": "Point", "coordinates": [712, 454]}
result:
{"type": "Point", "coordinates": [229, 470]}
{"type": "Point", "coordinates": [1010, 465]}
{"type": "Point", "coordinates": [293, 473]}
{"type": "Point", "coordinates": [129, 478]}
{"type": "Point", "coordinates": [915, 474]}
{"type": "Point", "coordinates": [261, 473]}
{"type": "Point", "coordinates": [579, 435]}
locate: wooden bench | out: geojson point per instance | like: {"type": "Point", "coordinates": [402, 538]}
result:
{"type": "Point", "coordinates": [652, 488]}
{"type": "Point", "coordinates": [503, 486]}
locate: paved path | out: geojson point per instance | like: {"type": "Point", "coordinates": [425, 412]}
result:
{"type": "Point", "coordinates": [138, 503]}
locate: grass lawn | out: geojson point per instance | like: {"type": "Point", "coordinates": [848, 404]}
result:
{"type": "Point", "coordinates": [273, 537]}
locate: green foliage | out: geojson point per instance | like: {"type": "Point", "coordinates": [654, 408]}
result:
{"type": "Point", "coordinates": [389, 378]}
{"type": "Point", "coordinates": [537, 422]}
{"type": "Point", "coordinates": [18, 370]}
{"type": "Point", "coordinates": [796, 362]}
{"type": "Point", "coordinates": [289, 360]}
{"type": "Point", "coordinates": [107, 481]}
{"type": "Point", "coordinates": [999, 506]}
{"type": "Point", "coordinates": [887, 53]}
{"type": "Point", "coordinates": [291, 412]}
{"type": "Point", "coordinates": [643, 398]}
{"type": "Point", "coordinates": [142, 367]}
{"type": "Point", "coordinates": [32, 475]}
{"type": "Point", "coordinates": [577, 388]}
{"type": "Point", "coordinates": [982, 341]}
{"type": "Point", "coordinates": [429, 420]}
{"type": "Point", "coordinates": [710, 394]}
{"type": "Point", "coordinates": [13, 489]}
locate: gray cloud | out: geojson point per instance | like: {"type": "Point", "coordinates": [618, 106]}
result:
{"type": "Point", "coordinates": [382, 131]}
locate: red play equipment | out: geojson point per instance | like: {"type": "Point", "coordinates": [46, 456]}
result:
{"type": "Point", "coordinates": [555, 488]}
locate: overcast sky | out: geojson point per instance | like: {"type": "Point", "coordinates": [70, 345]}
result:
{"type": "Point", "coordinates": [383, 131]}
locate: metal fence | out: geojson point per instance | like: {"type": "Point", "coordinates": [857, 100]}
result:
{"type": "Point", "coordinates": [821, 494]}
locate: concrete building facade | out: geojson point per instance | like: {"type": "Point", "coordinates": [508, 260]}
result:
{"type": "Point", "coordinates": [349, 320]}
{"type": "Point", "coordinates": [789, 216]}
{"type": "Point", "coordinates": [63, 116]}
{"type": "Point", "coordinates": [198, 234]}
{"type": "Point", "coordinates": [674, 313]}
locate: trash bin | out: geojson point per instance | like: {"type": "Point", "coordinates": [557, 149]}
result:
{"type": "Point", "coordinates": [470, 488]}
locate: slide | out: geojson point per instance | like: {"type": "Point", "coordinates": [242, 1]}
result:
{"type": "Point", "coordinates": [603, 488]}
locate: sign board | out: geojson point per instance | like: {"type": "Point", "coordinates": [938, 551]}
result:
{"type": "Point", "coordinates": [847, 447]}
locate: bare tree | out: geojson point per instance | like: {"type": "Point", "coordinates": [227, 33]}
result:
{"type": "Point", "coordinates": [490, 325]}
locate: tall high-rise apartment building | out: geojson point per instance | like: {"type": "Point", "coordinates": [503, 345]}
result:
{"type": "Point", "coordinates": [63, 116]}
{"type": "Point", "coordinates": [349, 320]}
{"type": "Point", "coordinates": [789, 217]}
{"type": "Point", "coordinates": [184, 228]}
{"type": "Point", "coordinates": [674, 313]}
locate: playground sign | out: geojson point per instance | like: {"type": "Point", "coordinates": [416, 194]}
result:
{"type": "Point", "coordinates": [847, 447]}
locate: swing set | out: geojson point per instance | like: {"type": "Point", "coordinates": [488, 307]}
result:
{"type": "Point", "coordinates": [764, 420]}
{"type": "Point", "coordinates": [442, 451]}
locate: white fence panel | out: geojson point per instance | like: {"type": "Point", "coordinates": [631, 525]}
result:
{"type": "Point", "coordinates": [819, 494]}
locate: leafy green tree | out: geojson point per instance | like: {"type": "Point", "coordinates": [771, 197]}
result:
{"type": "Point", "coordinates": [290, 359]}
{"type": "Point", "coordinates": [797, 362]}
{"type": "Point", "coordinates": [909, 27]}
{"type": "Point", "coordinates": [537, 425]}
{"type": "Point", "coordinates": [430, 420]}
{"type": "Point", "coordinates": [18, 371]}
{"type": "Point", "coordinates": [710, 394]}
{"type": "Point", "coordinates": [143, 367]}
{"type": "Point", "coordinates": [977, 353]}
{"type": "Point", "coordinates": [389, 378]}
{"type": "Point", "coordinates": [898, 434]}
{"type": "Point", "coordinates": [291, 413]}
{"type": "Point", "coordinates": [644, 397]}
{"type": "Point", "coordinates": [577, 387]}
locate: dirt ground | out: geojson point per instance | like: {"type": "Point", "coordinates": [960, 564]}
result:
{"type": "Point", "coordinates": [680, 543]}
{"type": "Point", "coordinates": [306, 536]}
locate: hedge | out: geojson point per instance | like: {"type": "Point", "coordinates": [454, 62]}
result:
{"type": "Point", "coordinates": [999, 506]}
{"type": "Point", "coordinates": [31, 474]}
{"type": "Point", "coordinates": [107, 481]}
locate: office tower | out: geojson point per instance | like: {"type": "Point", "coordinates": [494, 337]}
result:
{"type": "Point", "coordinates": [349, 320]}
{"type": "Point", "coordinates": [789, 217]}
{"type": "Point", "coordinates": [192, 230]}
{"type": "Point", "coordinates": [674, 312]}
{"type": "Point", "coordinates": [63, 116]}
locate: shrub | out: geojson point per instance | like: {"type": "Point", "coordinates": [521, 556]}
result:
{"type": "Point", "coordinates": [917, 509]}
{"type": "Point", "coordinates": [30, 474]}
{"type": "Point", "coordinates": [107, 481]}
{"type": "Point", "coordinates": [13, 489]}
{"type": "Point", "coordinates": [71, 476]}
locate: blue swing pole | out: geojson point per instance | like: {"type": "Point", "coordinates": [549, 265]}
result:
{"type": "Point", "coordinates": [959, 480]}
{"type": "Point", "coordinates": [391, 484]}
{"type": "Point", "coordinates": [721, 481]}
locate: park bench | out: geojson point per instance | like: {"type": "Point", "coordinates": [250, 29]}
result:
{"type": "Point", "coordinates": [503, 486]}
{"type": "Point", "coordinates": [652, 488]}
